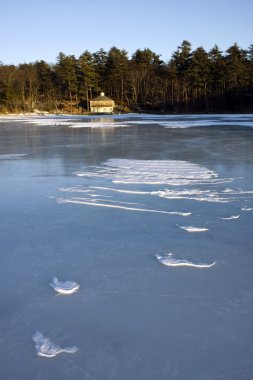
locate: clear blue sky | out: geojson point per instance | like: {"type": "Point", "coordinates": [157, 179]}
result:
{"type": "Point", "coordinates": [33, 30]}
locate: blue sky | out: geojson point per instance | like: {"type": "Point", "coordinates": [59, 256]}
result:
{"type": "Point", "coordinates": [33, 30]}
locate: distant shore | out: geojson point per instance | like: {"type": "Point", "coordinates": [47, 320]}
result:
{"type": "Point", "coordinates": [46, 113]}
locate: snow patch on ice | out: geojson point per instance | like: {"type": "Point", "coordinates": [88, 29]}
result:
{"type": "Point", "coordinates": [193, 229]}
{"type": "Point", "coordinates": [165, 179]}
{"type": "Point", "coordinates": [64, 287]}
{"type": "Point", "coordinates": [107, 121]}
{"type": "Point", "coordinates": [44, 346]}
{"type": "Point", "coordinates": [191, 122]}
{"type": "Point", "coordinates": [168, 260]}
{"type": "Point", "coordinates": [156, 172]}
{"type": "Point", "coordinates": [192, 194]}
{"type": "Point", "coordinates": [73, 122]}
{"type": "Point", "coordinates": [230, 217]}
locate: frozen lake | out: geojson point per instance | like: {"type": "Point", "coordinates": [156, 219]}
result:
{"type": "Point", "coordinates": [152, 217]}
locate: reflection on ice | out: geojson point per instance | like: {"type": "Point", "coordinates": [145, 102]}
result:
{"type": "Point", "coordinates": [64, 287]}
{"type": "Point", "coordinates": [13, 156]}
{"type": "Point", "coordinates": [60, 121]}
{"type": "Point", "coordinates": [170, 261]}
{"type": "Point", "coordinates": [44, 347]}
{"type": "Point", "coordinates": [97, 125]}
{"type": "Point", "coordinates": [166, 121]}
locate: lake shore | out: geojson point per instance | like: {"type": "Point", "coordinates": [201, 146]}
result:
{"type": "Point", "coordinates": [46, 113]}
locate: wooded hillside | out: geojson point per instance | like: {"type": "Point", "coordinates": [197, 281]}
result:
{"type": "Point", "coordinates": [192, 81]}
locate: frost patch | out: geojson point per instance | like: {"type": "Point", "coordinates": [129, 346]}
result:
{"type": "Point", "coordinates": [168, 260]}
{"type": "Point", "coordinates": [44, 346]}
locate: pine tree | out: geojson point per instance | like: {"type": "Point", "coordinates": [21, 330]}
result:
{"type": "Point", "coordinates": [100, 60]}
{"type": "Point", "coordinates": [66, 72]}
{"type": "Point", "coordinates": [236, 60]}
{"type": "Point", "coordinates": [144, 67]}
{"type": "Point", "coordinates": [181, 61]}
{"type": "Point", "coordinates": [46, 85]}
{"type": "Point", "coordinates": [116, 72]}
{"type": "Point", "coordinates": [199, 76]}
{"type": "Point", "coordinates": [87, 77]}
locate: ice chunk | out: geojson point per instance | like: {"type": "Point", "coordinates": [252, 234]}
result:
{"type": "Point", "coordinates": [231, 217]}
{"type": "Point", "coordinates": [193, 229]}
{"type": "Point", "coordinates": [64, 287]}
{"type": "Point", "coordinates": [44, 347]}
{"type": "Point", "coordinates": [170, 261]}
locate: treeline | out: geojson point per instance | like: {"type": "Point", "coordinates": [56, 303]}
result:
{"type": "Point", "coordinates": [192, 81]}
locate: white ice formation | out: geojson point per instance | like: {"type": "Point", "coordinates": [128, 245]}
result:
{"type": "Point", "coordinates": [44, 347]}
{"type": "Point", "coordinates": [64, 287]}
{"type": "Point", "coordinates": [168, 260]}
{"type": "Point", "coordinates": [108, 204]}
{"type": "Point", "coordinates": [116, 183]}
{"type": "Point", "coordinates": [165, 121]}
{"type": "Point", "coordinates": [193, 229]}
{"type": "Point", "coordinates": [151, 172]}
{"type": "Point", "coordinates": [230, 217]}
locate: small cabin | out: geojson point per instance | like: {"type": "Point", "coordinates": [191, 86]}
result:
{"type": "Point", "coordinates": [102, 104]}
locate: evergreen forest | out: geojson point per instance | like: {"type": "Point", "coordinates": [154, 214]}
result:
{"type": "Point", "coordinates": [192, 81]}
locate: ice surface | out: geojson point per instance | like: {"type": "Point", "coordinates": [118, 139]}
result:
{"type": "Point", "coordinates": [97, 125]}
{"type": "Point", "coordinates": [44, 346]}
{"type": "Point", "coordinates": [72, 122]}
{"type": "Point", "coordinates": [195, 313]}
{"type": "Point", "coordinates": [108, 121]}
{"type": "Point", "coordinates": [191, 121]}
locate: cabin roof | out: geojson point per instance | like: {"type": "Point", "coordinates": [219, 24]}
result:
{"type": "Point", "coordinates": [102, 98]}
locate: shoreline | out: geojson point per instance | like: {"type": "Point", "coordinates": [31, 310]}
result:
{"type": "Point", "coordinates": [45, 113]}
